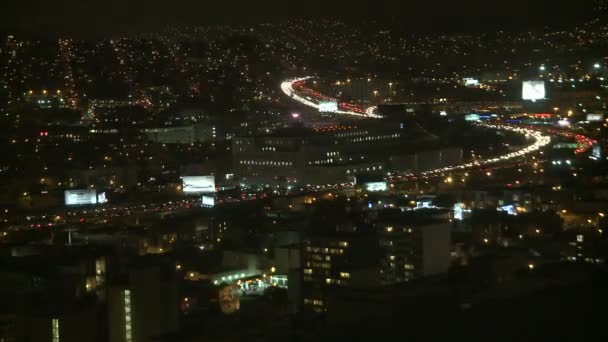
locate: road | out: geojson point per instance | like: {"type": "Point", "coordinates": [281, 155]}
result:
{"type": "Point", "coordinates": [294, 87]}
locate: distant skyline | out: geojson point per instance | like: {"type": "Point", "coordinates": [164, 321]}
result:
{"type": "Point", "coordinates": [98, 18]}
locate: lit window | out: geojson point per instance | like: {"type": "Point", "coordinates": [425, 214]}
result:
{"type": "Point", "coordinates": [55, 329]}
{"type": "Point", "coordinates": [345, 275]}
{"type": "Point", "coordinates": [128, 333]}
{"type": "Point", "coordinates": [308, 271]}
{"type": "Point", "coordinates": [343, 244]}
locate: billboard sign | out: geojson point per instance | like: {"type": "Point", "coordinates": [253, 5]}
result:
{"type": "Point", "coordinates": [533, 90]}
{"type": "Point", "coordinates": [208, 201]}
{"type": "Point", "coordinates": [328, 106]}
{"type": "Point", "coordinates": [376, 186]}
{"type": "Point", "coordinates": [80, 197]}
{"type": "Point", "coordinates": [471, 82]}
{"type": "Point", "coordinates": [471, 117]}
{"type": "Point", "coordinates": [595, 117]}
{"type": "Point", "coordinates": [509, 209]}
{"type": "Point", "coordinates": [101, 198]}
{"type": "Point", "coordinates": [198, 184]}
{"type": "Point", "coordinates": [458, 211]}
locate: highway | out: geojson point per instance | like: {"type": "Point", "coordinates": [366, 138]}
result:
{"type": "Point", "coordinates": [540, 141]}
{"type": "Point", "coordinates": [294, 87]}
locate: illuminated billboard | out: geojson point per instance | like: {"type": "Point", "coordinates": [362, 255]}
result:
{"type": "Point", "coordinates": [509, 209]}
{"type": "Point", "coordinates": [424, 204]}
{"type": "Point", "coordinates": [595, 117]}
{"type": "Point", "coordinates": [376, 186]}
{"type": "Point", "coordinates": [328, 106]}
{"type": "Point", "coordinates": [80, 197]}
{"type": "Point", "coordinates": [533, 90]}
{"type": "Point", "coordinates": [198, 184]}
{"type": "Point", "coordinates": [471, 82]}
{"type": "Point", "coordinates": [101, 198]}
{"type": "Point", "coordinates": [208, 201]}
{"type": "Point", "coordinates": [458, 214]}
{"type": "Point", "coordinates": [471, 117]}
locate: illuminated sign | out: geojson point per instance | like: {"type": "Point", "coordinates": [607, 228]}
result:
{"type": "Point", "coordinates": [471, 82]}
{"type": "Point", "coordinates": [424, 204]}
{"type": "Point", "coordinates": [566, 145]}
{"type": "Point", "coordinates": [471, 117]}
{"type": "Point", "coordinates": [328, 106]}
{"type": "Point", "coordinates": [458, 214]}
{"type": "Point", "coordinates": [101, 198]}
{"type": "Point", "coordinates": [376, 186]}
{"type": "Point", "coordinates": [595, 117]}
{"type": "Point", "coordinates": [80, 197]}
{"type": "Point", "coordinates": [533, 90]}
{"type": "Point", "coordinates": [509, 209]}
{"type": "Point", "coordinates": [208, 201]}
{"type": "Point", "coordinates": [542, 115]}
{"type": "Point", "coordinates": [198, 184]}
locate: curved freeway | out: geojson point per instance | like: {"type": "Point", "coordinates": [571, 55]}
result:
{"type": "Point", "coordinates": [540, 141]}
{"type": "Point", "coordinates": [293, 87]}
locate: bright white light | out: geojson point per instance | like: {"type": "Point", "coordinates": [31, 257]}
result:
{"type": "Point", "coordinates": [80, 197]}
{"type": "Point", "coordinates": [533, 90]}
{"type": "Point", "coordinates": [208, 201]}
{"type": "Point", "coordinates": [376, 186]}
{"type": "Point", "coordinates": [328, 106]}
{"type": "Point", "coordinates": [198, 184]}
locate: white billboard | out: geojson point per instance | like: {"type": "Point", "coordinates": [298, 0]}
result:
{"type": "Point", "coordinates": [533, 90]}
{"type": "Point", "coordinates": [328, 106]}
{"type": "Point", "coordinates": [471, 82]}
{"type": "Point", "coordinates": [101, 198]}
{"type": "Point", "coordinates": [80, 197]}
{"type": "Point", "coordinates": [458, 212]}
{"type": "Point", "coordinates": [595, 117]}
{"type": "Point", "coordinates": [208, 201]}
{"type": "Point", "coordinates": [471, 117]}
{"type": "Point", "coordinates": [376, 186]}
{"type": "Point", "coordinates": [198, 184]}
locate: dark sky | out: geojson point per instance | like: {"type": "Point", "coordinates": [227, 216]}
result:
{"type": "Point", "coordinates": [86, 17]}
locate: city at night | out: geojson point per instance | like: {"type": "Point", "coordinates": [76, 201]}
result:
{"type": "Point", "coordinates": [303, 171]}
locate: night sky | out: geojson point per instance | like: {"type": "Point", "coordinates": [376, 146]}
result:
{"type": "Point", "coordinates": [87, 18]}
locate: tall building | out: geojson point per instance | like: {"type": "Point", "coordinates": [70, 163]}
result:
{"type": "Point", "coordinates": [143, 305]}
{"type": "Point", "coordinates": [412, 248]}
{"type": "Point", "coordinates": [334, 261]}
